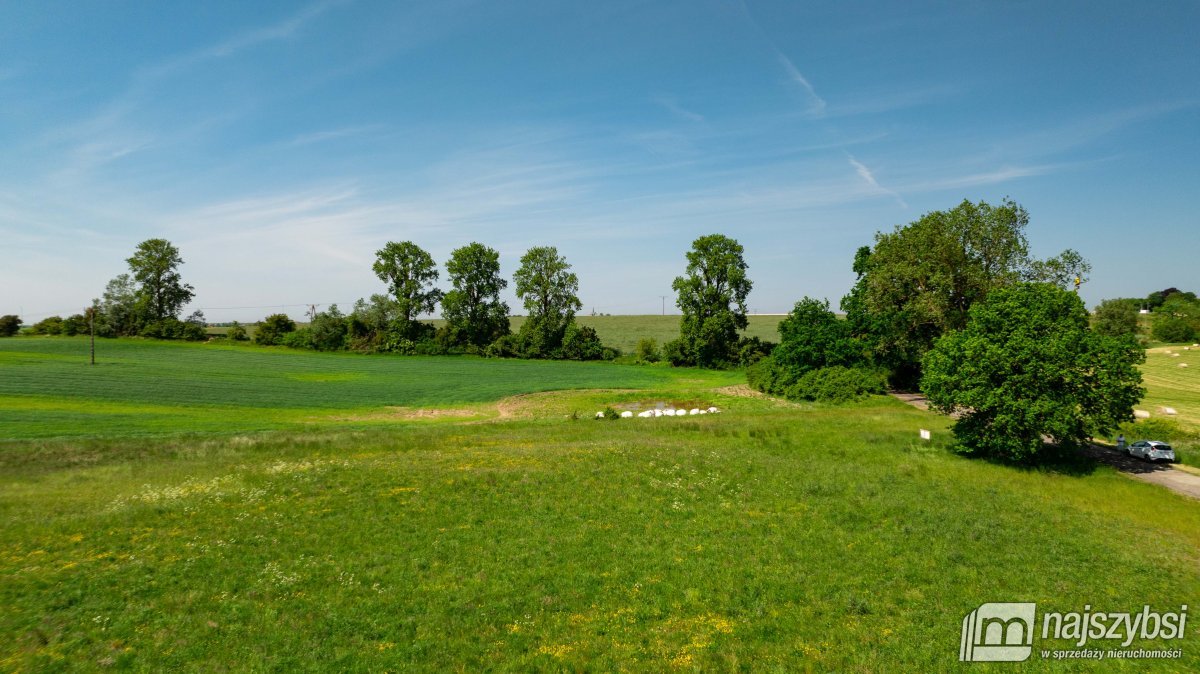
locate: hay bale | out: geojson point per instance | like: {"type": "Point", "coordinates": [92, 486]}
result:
{"type": "Point", "coordinates": [1141, 414]}
{"type": "Point", "coordinates": [1169, 411]}
{"type": "Point", "coordinates": [1183, 365]}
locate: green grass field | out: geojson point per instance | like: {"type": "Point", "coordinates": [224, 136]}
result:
{"type": "Point", "coordinates": [772, 536]}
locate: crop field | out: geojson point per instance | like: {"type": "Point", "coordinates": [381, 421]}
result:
{"type": "Point", "coordinates": [1170, 384]}
{"type": "Point", "coordinates": [384, 537]}
{"type": "Point", "coordinates": [47, 388]}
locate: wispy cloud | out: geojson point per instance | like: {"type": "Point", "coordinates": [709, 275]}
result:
{"type": "Point", "coordinates": [672, 105]}
{"type": "Point", "coordinates": [333, 134]}
{"type": "Point", "coordinates": [282, 30]}
{"type": "Point", "coordinates": [817, 104]}
{"type": "Point", "coordinates": [869, 177]}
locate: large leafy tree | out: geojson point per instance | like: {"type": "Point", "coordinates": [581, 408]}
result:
{"type": "Point", "coordinates": [1177, 319]}
{"type": "Point", "coordinates": [813, 337]}
{"type": "Point", "coordinates": [473, 310]}
{"type": "Point", "coordinates": [549, 290]}
{"type": "Point", "coordinates": [1026, 367]}
{"type": "Point", "coordinates": [9, 325]}
{"type": "Point", "coordinates": [712, 296]}
{"type": "Point", "coordinates": [921, 280]}
{"type": "Point", "coordinates": [161, 292]}
{"type": "Point", "coordinates": [409, 272]}
{"type": "Point", "coordinates": [1116, 318]}
{"type": "Point", "coordinates": [119, 307]}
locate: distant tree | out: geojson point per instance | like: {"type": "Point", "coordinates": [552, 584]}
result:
{"type": "Point", "coordinates": [272, 329]}
{"type": "Point", "coordinates": [75, 324]}
{"type": "Point", "coordinates": [1177, 319]}
{"type": "Point", "coordinates": [712, 296]}
{"type": "Point", "coordinates": [120, 306]}
{"type": "Point", "coordinates": [9, 325]}
{"type": "Point", "coordinates": [1116, 318]}
{"type": "Point", "coordinates": [1027, 366]}
{"type": "Point", "coordinates": [647, 350]}
{"type": "Point", "coordinates": [1156, 299]}
{"type": "Point", "coordinates": [327, 332]}
{"type": "Point", "coordinates": [161, 292]}
{"type": "Point", "coordinates": [236, 332]}
{"type": "Point", "coordinates": [51, 325]}
{"type": "Point", "coordinates": [474, 312]}
{"type": "Point", "coordinates": [409, 273]}
{"type": "Point", "coordinates": [548, 288]}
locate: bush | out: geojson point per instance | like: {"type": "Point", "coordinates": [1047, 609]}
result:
{"type": "Point", "coordinates": [673, 352]}
{"type": "Point", "coordinates": [48, 326]}
{"type": "Point", "coordinates": [272, 329]}
{"type": "Point", "coordinates": [1116, 318]}
{"type": "Point", "coordinates": [508, 346]}
{"type": "Point", "coordinates": [328, 330]}
{"type": "Point", "coordinates": [750, 350]}
{"type": "Point", "coordinates": [236, 332]}
{"type": "Point", "coordinates": [647, 350]}
{"type": "Point", "coordinates": [9, 325]}
{"type": "Point", "coordinates": [75, 325]}
{"type": "Point", "coordinates": [298, 339]}
{"type": "Point", "coordinates": [1173, 329]}
{"type": "Point", "coordinates": [838, 384]}
{"type": "Point", "coordinates": [581, 343]}
{"type": "Point", "coordinates": [173, 328]}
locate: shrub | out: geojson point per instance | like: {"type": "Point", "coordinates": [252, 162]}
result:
{"type": "Point", "coordinates": [673, 353]}
{"type": "Point", "coordinates": [1173, 329]}
{"type": "Point", "coordinates": [9, 325]}
{"type": "Point", "coordinates": [328, 330]}
{"type": "Point", "coordinates": [173, 328]}
{"type": "Point", "coordinates": [647, 350]}
{"type": "Point", "coordinates": [838, 384]}
{"type": "Point", "coordinates": [75, 325]}
{"type": "Point", "coordinates": [272, 329]}
{"type": "Point", "coordinates": [752, 349]}
{"type": "Point", "coordinates": [508, 346]}
{"type": "Point", "coordinates": [580, 343]}
{"type": "Point", "coordinates": [298, 339]}
{"type": "Point", "coordinates": [236, 332]}
{"type": "Point", "coordinates": [48, 326]}
{"type": "Point", "coordinates": [1116, 318]}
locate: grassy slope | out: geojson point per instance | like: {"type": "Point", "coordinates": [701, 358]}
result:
{"type": "Point", "coordinates": [47, 389]}
{"type": "Point", "coordinates": [1169, 385]}
{"type": "Point", "coordinates": [766, 537]}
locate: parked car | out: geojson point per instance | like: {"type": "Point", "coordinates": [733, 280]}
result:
{"type": "Point", "coordinates": [1152, 450]}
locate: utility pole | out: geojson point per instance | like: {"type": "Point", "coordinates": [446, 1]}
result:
{"type": "Point", "coordinates": [664, 299]}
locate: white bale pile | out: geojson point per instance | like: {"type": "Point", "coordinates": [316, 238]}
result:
{"type": "Point", "coordinates": [668, 412]}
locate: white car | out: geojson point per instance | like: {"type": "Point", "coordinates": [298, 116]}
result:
{"type": "Point", "coordinates": [1151, 450]}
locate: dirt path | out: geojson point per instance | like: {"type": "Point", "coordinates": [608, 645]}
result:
{"type": "Point", "coordinates": [1180, 480]}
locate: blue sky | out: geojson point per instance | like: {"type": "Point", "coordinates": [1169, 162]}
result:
{"type": "Point", "coordinates": [280, 144]}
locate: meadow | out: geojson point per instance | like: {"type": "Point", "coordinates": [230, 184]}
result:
{"type": "Point", "coordinates": [772, 536]}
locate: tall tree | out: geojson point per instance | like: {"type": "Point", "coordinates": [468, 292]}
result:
{"type": "Point", "coordinates": [119, 307]}
{"type": "Point", "coordinates": [548, 289]}
{"type": "Point", "coordinates": [161, 291]}
{"type": "Point", "coordinates": [473, 310]}
{"type": "Point", "coordinates": [409, 273]}
{"type": "Point", "coordinates": [921, 280]}
{"type": "Point", "coordinates": [712, 296]}
{"type": "Point", "coordinates": [1027, 366]}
